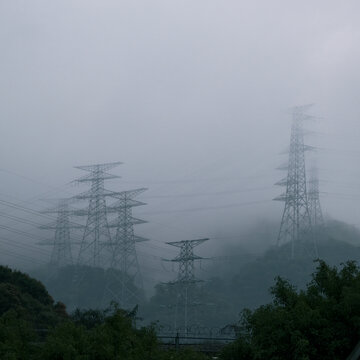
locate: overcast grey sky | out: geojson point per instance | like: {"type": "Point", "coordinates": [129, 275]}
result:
{"type": "Point", "coordinates": [193, 96]}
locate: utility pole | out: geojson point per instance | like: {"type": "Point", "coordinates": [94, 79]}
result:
{"type": "Point", "coordinates": [296, 225]}
{"type": "Point", "coordinates": [186, 282]}
{"type": "Point", "coordinates": [61, 244]}
{"type": "Point", "coordinates": [124, 281]}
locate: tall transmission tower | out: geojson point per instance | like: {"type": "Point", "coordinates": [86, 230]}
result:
{"type": "Point", "coordinates": [61, 245]}
{"type": "Point", "coordinates": [97, 234]}
{"type": "Point", "coordinates": [296, 226]}
{"type": "Point", "coordinates": [186, 282]}
{"type": "Point", "coordinates": [317, 218]}
{"type": "Point", "coordinates": [124, 281]}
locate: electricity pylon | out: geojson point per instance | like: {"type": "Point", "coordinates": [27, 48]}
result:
{"type": "Point", "coordinates": [296, 226]}
{"type": "Point", "coordinates": [124, 281]}
{"type": "Point", "coordinates": [61, 245]}
{"type": "Point", "coordinates": [317, 218]}
{"type": "Point", "coordinates": [186, 283]}
{"type": "Point", "coordinates": [97, 234]}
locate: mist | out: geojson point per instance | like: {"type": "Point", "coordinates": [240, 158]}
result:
{"type": "Point", "coordinates": [195, 99]}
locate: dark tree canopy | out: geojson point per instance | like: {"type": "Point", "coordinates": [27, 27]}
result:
{"type": "Point", "coordinates": [320, 322]}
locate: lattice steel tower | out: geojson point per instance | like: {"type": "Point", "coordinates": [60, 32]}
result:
{"type": "Point", "coordinates": [125, 285]}
{"type": "Point", "coordinates": [317, 218]}
{"type": "Point", "coordinates": [97, 234]}
{"type": "Point", "coordinates": [296, 226]}
{"type": "Point", "coordinates": [186, 282]}
{"type": "Point", "coordinates": [61, 252]}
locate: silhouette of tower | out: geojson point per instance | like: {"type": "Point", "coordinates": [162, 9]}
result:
{"type": "Point", "coordinates": [317, 218]}
{"type": "Point", "coordinates": [61, 252]}
{"type": "Point", "coordinates": [296, 226]}
{"type": "Point", "coordinates": [124, 281]}
{"type": "Point", "coordinates": [187, 299]}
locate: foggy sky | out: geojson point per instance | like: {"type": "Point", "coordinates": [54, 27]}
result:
{"type": "Point", "coordinates": [193, 97]}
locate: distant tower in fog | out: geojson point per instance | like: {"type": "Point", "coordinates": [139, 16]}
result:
{"type": "Point", "coordinates": [317, 218]}
{"type": "Point", "coordinates": [61, 244]}
{"type": "Point", "coordinates": [296, 224]}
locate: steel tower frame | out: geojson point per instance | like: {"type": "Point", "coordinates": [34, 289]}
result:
{"type": "Point", "coordinates": [97, 233]}
{"type": "Point", "coordinates": [61, 254]}
{"type": "Point", "coordinates": [314, 200]}
{"type": "Point", "coordinates": [123, 252]}
{"type": "Point", "coordinates": [186, 280]}
{"type": "Point", "coordinates": [296, 225]}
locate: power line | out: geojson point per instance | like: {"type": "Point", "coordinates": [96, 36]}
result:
{"type": "Point", "coordinates": [207, 208]}
{"type": "Point", "coordinates": [225, 192]}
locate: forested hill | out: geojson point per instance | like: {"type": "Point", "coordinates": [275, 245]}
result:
{"type": "Point", "coordinates": [240, 280]}
{"type": "Point", "coordinates": [33, 327]}
{"type": "Point", "coordinates": [25, 297]}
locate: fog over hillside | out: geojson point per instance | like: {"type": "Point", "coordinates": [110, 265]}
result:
{"type": "Point", "coordinates": [196, 99]}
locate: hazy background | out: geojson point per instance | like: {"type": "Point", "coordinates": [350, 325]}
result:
{"type": "Point", "coordinates": [193, 97]}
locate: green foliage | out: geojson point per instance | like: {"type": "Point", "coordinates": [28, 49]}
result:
{"type": "Point", "coordinates": [321, 322]}
{"type": "Point", "coordinates": [29, 299]}
{"type": "Point", "coordinates": [88, 318]}
{"type": "Point", "coordinates": [25, 284]}
{"type": "Point", "coordinates": [187, 354]}
{"type": "Point", "coordinates": [16, 337]}
{"type": "Point", "coordinates": [113, 339]}
{"type": "Point", "coordinates": [67, 341]}
{"type": "Point", "coordinates": [32, 327]}
{"type": "Point", "coordinates": [108, 337]}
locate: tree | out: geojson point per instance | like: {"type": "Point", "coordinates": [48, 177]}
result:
{"type": "Point", "coordinates": [320, 322]}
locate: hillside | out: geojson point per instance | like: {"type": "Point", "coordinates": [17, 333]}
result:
{"type": "Point", "coordinates": [28, 298]}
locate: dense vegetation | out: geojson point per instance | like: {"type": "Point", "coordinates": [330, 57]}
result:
{"type": "Point", "coordinates": [33, 327]}
{"type": "Point", "coordinates": [239, 281]}
{"type": "Point", "coordinates": [320, 322]}
{"type": "Point", "coordinates": [313, 314]}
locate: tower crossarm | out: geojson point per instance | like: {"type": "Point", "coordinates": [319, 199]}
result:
{"type": "Point", "coordinates": [282, 182]}
{"type": "Point", "coordinates": [90, 177]}
{"type": "Point", "coordinates": [128, 221]}
{"type": "Point", "coordinates": [140, 239]}
{"type": "Point", "coordinates": [122, 203]}
{"type": "Point", "coordinates": [92, 195]}
{"type": "Point", "coordinates": [130, 194]}
{"type": "Point", "coordinates": [99, 167]}
{"type": "Point", "coordinates": [192, 242]}
{"type": "Point", "coordinates": [186, 258]}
